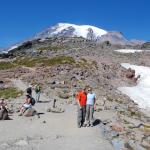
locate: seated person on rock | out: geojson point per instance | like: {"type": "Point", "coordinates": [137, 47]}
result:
{"type": "Point", "coordinates": [27, 104]}
{"type": "Point", "coordinates": [3, 110]}
{"type": "Point", "coordinates": [3, 104]}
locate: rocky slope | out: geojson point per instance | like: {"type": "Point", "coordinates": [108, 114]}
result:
{"type": "Point", "coordinates": [63, 64]}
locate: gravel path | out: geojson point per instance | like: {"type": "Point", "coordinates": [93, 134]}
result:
{"type": "Point", "coordinates": [51, 131]}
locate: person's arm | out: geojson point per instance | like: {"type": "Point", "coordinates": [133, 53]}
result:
{"type": "Point", "coordinates": [29, 101]}
{"type": "Point", "coordinates": [94, 101]}
{"type": "Point", "coordinates": [78, 100]}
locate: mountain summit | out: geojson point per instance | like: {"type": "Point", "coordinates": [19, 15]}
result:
{"type": "Point", "coordinates": [86, 31]}
{"type": "Point", "coordinates": [72, 30]}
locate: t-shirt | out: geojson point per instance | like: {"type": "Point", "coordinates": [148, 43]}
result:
{"type": "Point", "coordinates": [81, 97]}
{"type": "Point", "coordinates": [90, 98]}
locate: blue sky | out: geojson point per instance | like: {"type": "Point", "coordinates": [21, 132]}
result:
{"type": "Point", "coordinates": [22, 19]}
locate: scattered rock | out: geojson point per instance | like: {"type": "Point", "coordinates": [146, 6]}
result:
{"type": "Point", "coordinates": [55, 110]}
{"type": "Point", "coordinates": [21, 143]}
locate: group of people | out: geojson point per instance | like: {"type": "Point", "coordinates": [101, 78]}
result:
{"type": "Point", "coordinates": [86, 99]}
{"type": "Point", "coordinates": [29, 100]}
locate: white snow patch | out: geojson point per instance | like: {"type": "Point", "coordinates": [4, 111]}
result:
{"type": "Point", "coordinates": [13, 47]}
{"type": "Point", "coordinates": [42, 40]}
{"type": "Point", "coordinates": [4, 52]}
{"type": "Point", "coordinates": [80, 30]}
{"type": "Point", "coordinates": [130, 50]}
{"type": "Point", "coordinates": [141, 92]}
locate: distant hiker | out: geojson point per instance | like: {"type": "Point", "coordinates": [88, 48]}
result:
{"type": "Point", "coordinates": [29, 90]}
{"type": "Point", "coordinates": [37, 92]}
{"type": "Point", "coordinates": [26, 105]}
{"type": "Point", "coordinates": [91, 98]}
{"type": "Point", "coordinates": [81, 100]}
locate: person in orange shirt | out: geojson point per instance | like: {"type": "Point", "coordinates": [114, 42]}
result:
{"type": "Point", "coordinates": [81, 100]}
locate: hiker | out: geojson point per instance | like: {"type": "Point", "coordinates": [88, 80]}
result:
{"type": "Point", "coordinates": [81, 100]}
{"type": "Point", "coordinates": [27, 104]}
{"type": "Point", "coordinates": [37, 92]}
{"type": "Point", "coordinates": [3, 110]}
{"type": "Point", "coordinates": [29, 90]}
{"type": "Point", "coordinates": [3, 104]}
{"type": "Point", "coordinates": [91, 98]}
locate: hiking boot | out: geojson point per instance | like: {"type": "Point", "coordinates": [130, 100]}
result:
{"type": "Point", "coordinates": [79, 125]}
{"type": "Point", "coordinates": [84, 125]}
{"type": "Point", "coordinates": [88, 125]}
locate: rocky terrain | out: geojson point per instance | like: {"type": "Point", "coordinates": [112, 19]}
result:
{"type": "Point", "coordinates": [62, 65]}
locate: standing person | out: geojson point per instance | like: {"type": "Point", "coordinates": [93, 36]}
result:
{"type": "Point", "coordinates": [37, 92]}
{"type": "Point", "coordinates": [91, 98]}
{"type": "Point", "coordinates": [29, 90]}
{"type": "Point", "coordinates": [81, 100]}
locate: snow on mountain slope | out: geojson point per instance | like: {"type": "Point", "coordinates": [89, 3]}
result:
{"type": "Point", "coordinates": [13, 47]}
{"type": "Point", "coordinates": [139, 93]}
{"type": "Point", "coordinates": [72, 30]}
{"type": "Point", "coordinates": [126, 51]}
{"type": "Point", "coordinates": [81, 30]}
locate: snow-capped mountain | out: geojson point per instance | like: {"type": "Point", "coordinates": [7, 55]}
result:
{"type": "Point", "coordinates": [72, 30]}
{"type": "Point", "coordinates": [87, 32]}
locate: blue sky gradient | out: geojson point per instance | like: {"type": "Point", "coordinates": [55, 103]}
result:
{"type": "Point", "coordinates": [22, 19]}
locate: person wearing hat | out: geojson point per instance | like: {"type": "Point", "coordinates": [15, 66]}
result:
{"type": "Point", "coordinates": [91, 98]}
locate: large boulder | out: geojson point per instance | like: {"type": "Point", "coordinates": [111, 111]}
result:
{"type": "Point", "coordinates": [30, 112]}
{"type": "Point", "coordinates": [4, 114]}
{"type": "Point", "coordinates": [130, 73]}
{"type": "Point", "coordinates": [55, 110]}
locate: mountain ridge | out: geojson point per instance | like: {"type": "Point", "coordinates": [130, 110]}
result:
{"type": "Point", "coordinates": [86, 31]}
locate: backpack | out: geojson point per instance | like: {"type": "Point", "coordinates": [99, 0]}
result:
{"type": "Point", "coordinates": [37, 89]}
{"type": "Point", "coordinates": [32, 101]}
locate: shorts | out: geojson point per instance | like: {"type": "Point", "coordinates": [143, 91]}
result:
{"type": "Point", "coordinates": [27, 106]}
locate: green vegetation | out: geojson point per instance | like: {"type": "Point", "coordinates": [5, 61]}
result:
{"type": "Point", "coordinates": [37, 61]}
{"type": "Point", "coordinates": [44, 61]}
{"type": "Point", "coordinates": [10, 93]}
{"type": "Point", "coordinates": [83, 63]}
{"type": "Point", "coordinates": [6, 65]}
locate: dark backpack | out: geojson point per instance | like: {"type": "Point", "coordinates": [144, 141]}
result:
{"type": "Point", "coordinates": [37, 89]}
{"type": "Point", "coordinates": [32, 101]}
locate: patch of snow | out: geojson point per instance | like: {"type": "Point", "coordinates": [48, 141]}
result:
{"type": "Point", "coordinates": [130, 50]}
{"type": "Point", "coordinates": [80, 30]}
{"type": "Point", "coordinates": [141, 92]}
{"type": "Point", "coordinates": [13, 47]}
{"type": "Point", "coordinates": [4, 52]}
{"type": "Point", "coordinates": [42, 40]}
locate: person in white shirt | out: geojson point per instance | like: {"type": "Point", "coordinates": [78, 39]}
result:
{"type": "Point", "coordinates": [91, 98]}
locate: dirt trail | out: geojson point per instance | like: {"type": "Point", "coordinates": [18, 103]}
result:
{"type": "Point", "coordinates": [51, 131]}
